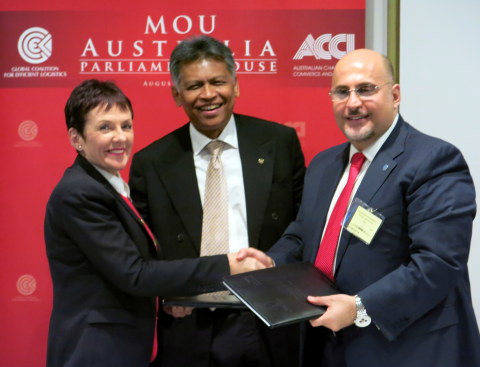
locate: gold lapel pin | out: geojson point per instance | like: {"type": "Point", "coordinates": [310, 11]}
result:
{"type": "Point", "coordinates": [261, 160]}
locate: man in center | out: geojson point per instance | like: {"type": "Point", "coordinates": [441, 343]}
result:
{"type": "Point", "coordinates": [258, 168]}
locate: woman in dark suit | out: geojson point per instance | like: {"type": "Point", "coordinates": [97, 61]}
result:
{"type": "Point", "coordinates": [103, 259]}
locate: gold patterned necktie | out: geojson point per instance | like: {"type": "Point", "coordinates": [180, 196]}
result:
{"type": "Point", "coordinates": [215, 205]}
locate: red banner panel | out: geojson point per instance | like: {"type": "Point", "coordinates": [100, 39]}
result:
{"type": "Point", "coordinates": [285, 53]}
{"type": "Point", "coordinates": [286, 48]}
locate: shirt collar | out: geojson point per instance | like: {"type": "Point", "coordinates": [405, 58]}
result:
{"type": "Point", "coordinates": [228, 136]}
{"type": "Point", "coordinates": [373, 149]}
{"type": "Point", "coordinates": [116, 181]}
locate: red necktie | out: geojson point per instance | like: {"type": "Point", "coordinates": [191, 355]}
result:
{"type": "Point", "coordinates": [150, 233]}
{"type": "Point", "coordinates": [328, 245]}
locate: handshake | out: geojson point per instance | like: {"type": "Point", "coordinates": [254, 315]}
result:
{"type": "Point", "coordinates": [248, 259]}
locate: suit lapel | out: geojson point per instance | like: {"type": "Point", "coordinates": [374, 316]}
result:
{"type": "Point", "coordinates": [177, 173]}
{"type": "Point", "coordinates": [92, 171]}
{"type": "Point", "coordinates": [328, 183]}
{"type": "Point", "coordinates": [382, 166]}
{"type": "Point", "coordinates": [257, 155]}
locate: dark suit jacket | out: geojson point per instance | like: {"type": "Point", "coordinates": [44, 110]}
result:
{"type": "Point", "coordinates": [165, 190]}
{"type": "Point", "coordinates": [413, 277]}
{"type": "Point", "coordinates": [105, 275]}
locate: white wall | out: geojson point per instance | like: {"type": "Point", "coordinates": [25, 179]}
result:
{"type": "Point", "coordinates": [440, 80]}
{"type": "Point", "coordinates": [440, 85]}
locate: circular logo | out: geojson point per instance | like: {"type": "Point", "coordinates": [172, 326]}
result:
{"type": "Point", "coordinates": [26, 284]}
{"type": "Point", "coordinates": [35, 45]}
{"type": "Point", "coordinates": [27, 130]}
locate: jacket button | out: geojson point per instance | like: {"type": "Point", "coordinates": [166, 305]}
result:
{"type": "Point", "coordinates": [180, 237]}
{"type": "Point", "coordinates": [274, 216]}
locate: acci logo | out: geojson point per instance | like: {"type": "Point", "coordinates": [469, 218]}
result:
{"type": "Point", "coordinates": [326, 46]}
{"type": "Point", "coordinates": [35, 45]}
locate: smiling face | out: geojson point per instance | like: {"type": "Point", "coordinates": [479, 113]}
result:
{"type": "Point", "coordinates": [207, 93]}
{"type": "Point", "coordinates": [363, 121]}
{"type": "Point", "coordinates": [107, 138]}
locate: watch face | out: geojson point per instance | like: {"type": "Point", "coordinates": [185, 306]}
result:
{"type": "Point", "coordinates": [363, 320]}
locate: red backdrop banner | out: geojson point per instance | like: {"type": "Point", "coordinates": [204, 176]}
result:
{"type": "Point", "coordinates": [285, 53]}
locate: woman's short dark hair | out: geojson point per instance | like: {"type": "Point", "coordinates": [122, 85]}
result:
{"type": "Point", "coordinates": [90, 94]}
{"type": "Point", "coordinates": [199, 48]}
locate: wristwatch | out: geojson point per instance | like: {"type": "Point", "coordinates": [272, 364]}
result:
{"type": "Point", "coordinates": [362, 319]}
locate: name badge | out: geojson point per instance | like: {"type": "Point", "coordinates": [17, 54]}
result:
{"type": "Point", "coordinates": [363, 221]}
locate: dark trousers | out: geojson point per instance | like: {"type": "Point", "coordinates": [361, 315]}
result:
{"type": "Point", "coordinates": [225, 338]}
{"type": "Point", "coordinates": [322, 348]}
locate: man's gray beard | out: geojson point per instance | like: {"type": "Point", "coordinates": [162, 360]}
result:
{"type": "Point", "coordinates": [359, 137]}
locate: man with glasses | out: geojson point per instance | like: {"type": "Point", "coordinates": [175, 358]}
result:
{"type": "Point", "coordinates": [392, 229]}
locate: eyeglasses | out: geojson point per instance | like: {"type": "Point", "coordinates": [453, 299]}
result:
{"type": "Point", "coordinates": [364, 91]}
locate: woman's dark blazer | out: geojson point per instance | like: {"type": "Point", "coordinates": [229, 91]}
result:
{"type": "Point", "coordinates": [106, 274]}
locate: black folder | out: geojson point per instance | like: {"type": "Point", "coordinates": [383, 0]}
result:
{"type": "Point", "coordinates": [278, 296]}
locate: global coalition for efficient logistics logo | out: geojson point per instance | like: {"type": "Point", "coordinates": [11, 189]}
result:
{"type": "Point", "coordinates": [35, 46]}
{"type": "Point", "coordinates": [28, 134]}
{"type": "Point", "coordinates": [26, 287]}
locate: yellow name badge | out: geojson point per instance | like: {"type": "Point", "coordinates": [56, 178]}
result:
{"type": "Point", "coordinates": [362, 221]}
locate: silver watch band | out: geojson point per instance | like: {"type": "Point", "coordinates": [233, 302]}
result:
{"type": "Point", "coordinates": [362, 319]}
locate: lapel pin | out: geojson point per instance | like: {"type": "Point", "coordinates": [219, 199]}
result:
{"type": "Point", "coordinates": [385, 167]}
{"type": "Point", "coordinates": [261, 160]}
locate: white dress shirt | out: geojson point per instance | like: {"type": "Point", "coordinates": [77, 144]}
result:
{"type": "Point", "coordinates": [232, 166]}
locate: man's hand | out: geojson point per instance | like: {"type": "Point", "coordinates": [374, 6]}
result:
{"type": "Point", "coordinates": [248, 259]}
{"type": "Point", "coordinates": [341, 311]}
{"type": "Point", "coordinates": [178, 311]}
{"type": "Point", "coordinates": [256, 254]}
